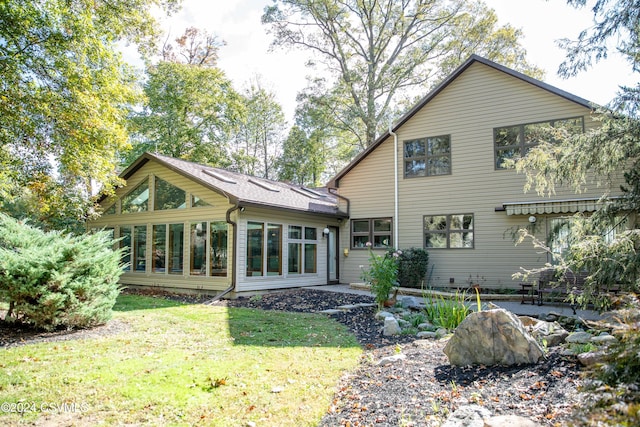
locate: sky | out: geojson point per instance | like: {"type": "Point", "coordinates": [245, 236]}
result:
{"type": "Point", "coordinates": [247, 53]}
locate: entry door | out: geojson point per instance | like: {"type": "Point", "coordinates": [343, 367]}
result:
{"type": "Point", "coordinates": [332, 255]}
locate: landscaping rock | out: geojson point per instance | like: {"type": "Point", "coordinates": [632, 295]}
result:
{"type": "Point", "coordinates": [509, 421]}
{"type": "Point", "coordinates": [403, 323]}
{"type": "Point", "coordinates": [604, 339]}
{"type": "Point", "coordinates": [410, 302]}
{"type": "Point", "coordinates": [580, 337]}
{"type": "Point", "coordinates": [426, 326]}
{"type": "Point", "coordinates": [591, 358]}
{"type": "Point", "coordinates": [550, 332]}
{"type": "Point", "coordinates": [347, 307]}
{"type": "Point", "coordinates": [468, 416]}
{"type": "Point", "coordinates": [392, 360]}
{"type": "Point", "coordinates": [427, 334]}
{"type": "Point", "coordinates": [493, 337]}
{"type": "Point", "coordinates": [391, 327]}
{"type": "Point", "coordinates": [441, 332]}
{"type": "Point", "coordinates": [381, 315]}
{"type": "Point", "coordinates": [552, 317]}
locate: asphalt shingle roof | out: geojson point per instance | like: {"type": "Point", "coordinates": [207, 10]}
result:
{"type": "Point", "coordinates": [247, 190]}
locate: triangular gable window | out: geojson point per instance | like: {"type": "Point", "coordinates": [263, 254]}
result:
{"type": "Point", "coordinates": [197, 202]}
{"type": "Point", "coordinates": [137, 200]}
{"type": "Point", "coordinates": [168, 196]}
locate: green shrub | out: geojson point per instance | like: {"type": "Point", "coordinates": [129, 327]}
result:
{"type": "Point", "coordinates": [51, 280]}
{"type": "Point", "coordinates": [412, 266]}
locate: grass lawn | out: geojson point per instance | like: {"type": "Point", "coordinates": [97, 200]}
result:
{"type": "Point", "coordinates": [182, 365]}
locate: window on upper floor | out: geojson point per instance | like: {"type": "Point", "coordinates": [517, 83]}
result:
{"type": "Point", "coordinates": [376, 231]}
{"type": "Point", "coordinates": [511, 142]}
{"type": "Point", "coordinates": [427, 156]}
{"type": "Point", "coordinates": [448, 231]}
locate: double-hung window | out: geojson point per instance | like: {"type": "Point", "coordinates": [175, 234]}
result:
{"type": "Point", "coordinates": [376, 231]}
{"type": "Point", "coordinates": [448, 231]}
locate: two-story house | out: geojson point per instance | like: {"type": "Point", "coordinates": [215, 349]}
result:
{"type": "Point", "coordinates": [438, 179]}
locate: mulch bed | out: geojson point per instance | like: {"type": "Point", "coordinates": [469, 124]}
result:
{"type": "Point", "coordinates": [422, 390]}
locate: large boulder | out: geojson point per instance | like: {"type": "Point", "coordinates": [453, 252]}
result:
{"type": "Point", "coordinates": [492, 337]}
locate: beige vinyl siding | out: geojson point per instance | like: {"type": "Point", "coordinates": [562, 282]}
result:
{"type": "Point", "coordinates": [215, 212]}
{"type": "Point", "coordinates": [370, 189]}
{"type": "Point", "coordinates": [286, 280]}
{"type": "Point", "coordinates": [468, 110]}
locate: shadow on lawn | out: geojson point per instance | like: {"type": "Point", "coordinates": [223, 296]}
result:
{"type": "Point", "coordinates": [255, 327]}
{"type": "Point", "coordinates": [132, 302]}
{"type": "Point", "coordinates": [247, 325]}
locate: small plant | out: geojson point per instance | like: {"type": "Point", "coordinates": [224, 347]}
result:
{"type": "Point", "coordinates": [382, 275]}
{"type": "Point", "coordinates": [582, 348]}
{"type": "Point", "coordinates": [447, 313]}
{"type": "Point", "coordinates": [416, 319]}
{"type": "Point", "coordinates": [256, 298]}
{"type": "Point", "coordinates": [478, 302]}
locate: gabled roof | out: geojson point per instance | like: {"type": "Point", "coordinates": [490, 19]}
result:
{"type": "Point", "coordinates": [245, 190]}
{"type": "Point", "coordinates": [446, 82]}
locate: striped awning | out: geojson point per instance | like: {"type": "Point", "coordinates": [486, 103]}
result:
{"type": "Point", "coordinates": [551, 207]}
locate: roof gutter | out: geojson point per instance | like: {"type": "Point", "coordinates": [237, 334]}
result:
{"type": "Point", "coordinates": [395, 187]}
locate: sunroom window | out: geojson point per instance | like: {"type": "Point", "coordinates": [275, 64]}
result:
{"type": "Point", "coordinates": [168, 196]}
{"type": "Point", "coordinates": [137, 200]}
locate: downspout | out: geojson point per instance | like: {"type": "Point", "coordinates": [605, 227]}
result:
{"type": "Point", "coordinates": [234, 253]}
{"type": "Point", "coordinates": [343, 198]}
{"type": "Point", "coordinates": [395, 187]}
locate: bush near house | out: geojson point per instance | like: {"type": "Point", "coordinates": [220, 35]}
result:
{"type": "Point", "coordinates": [51, 280]}
{"type": "Point", "coordinates": [412, 267]}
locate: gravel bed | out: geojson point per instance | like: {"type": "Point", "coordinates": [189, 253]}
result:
{"type": "Point", "coordinates": [424, 389]}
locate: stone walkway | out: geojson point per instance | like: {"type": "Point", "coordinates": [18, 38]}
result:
{"type": "Point", "coordinates": [534, 310]}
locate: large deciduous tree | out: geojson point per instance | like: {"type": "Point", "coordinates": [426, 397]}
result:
{"type": "Point", "coordinates": [191, 108]}
{"type": "Point", "coordinates": [259, 136]}
{"type": "Point", "coordinates": [302, 159]}
{"type": "Point", "coordinates": [608, 151]}
{"type": "Point", "coordinates": [379, 50]}
{"type": "Point", "coordinates": [64, 96]}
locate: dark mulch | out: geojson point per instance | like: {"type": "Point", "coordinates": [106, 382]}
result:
{"type": "Point", "coordinates": [419, 391]}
